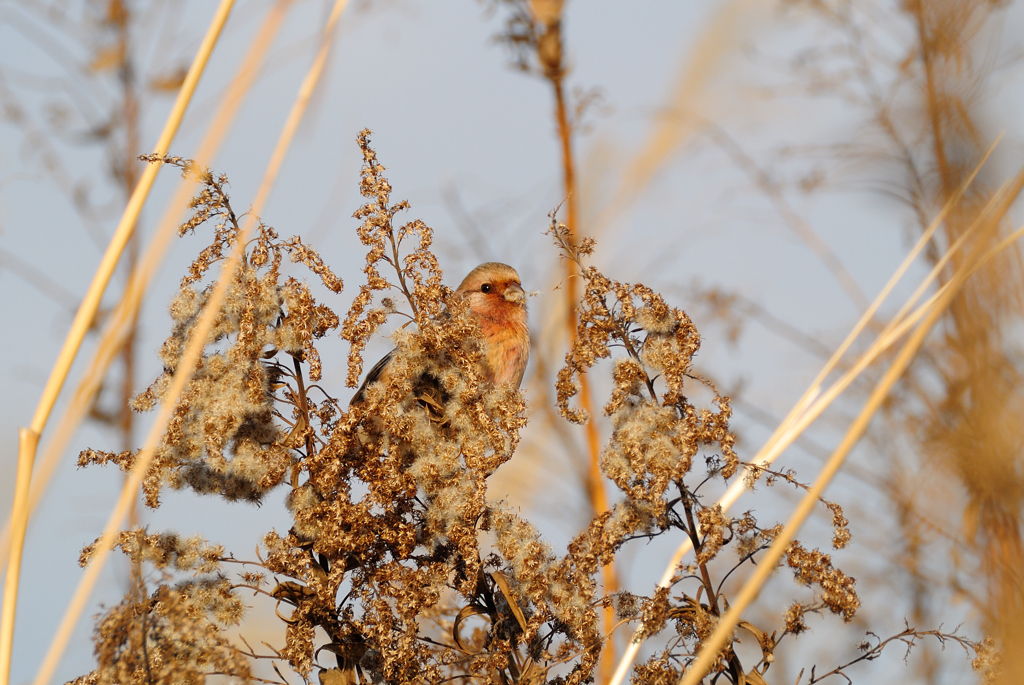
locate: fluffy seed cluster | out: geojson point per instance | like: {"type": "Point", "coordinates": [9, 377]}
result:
{"type": "Point", "coordinates": [657, 436]}
{"type": "Point", "coordinates": [418, 273]}
{"type": "Point", "coordinates": [175, 634]}
{"type": "Point", "coordinates": [226, 435]}
{"type": "Point", "coordinates": [381, 573]}
{"type": "Point", "coordinates": [391, 513]}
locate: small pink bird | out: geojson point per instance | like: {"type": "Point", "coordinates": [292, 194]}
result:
{"type": "Point", "coordinates": [498, 302]}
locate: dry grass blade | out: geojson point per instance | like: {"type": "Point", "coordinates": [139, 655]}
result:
{"type": "Point", "coordinates": [814, 402]}
{"type": "Point", "coordinates": [27, 443]}
{"type": "Point", "coordinates": [298, 110]}
{"type": "Point", "coordinates": [116, 329]}
{"type": "Point", "coordinates": [83, 319]}
{"type": "Point", "coordinates": [767, 564]}
{"type": "Point", "coordinates": [188, 362]}
{"type": "Point", "coordinates": [806, 409]}
{"type": "Point", "coordinates": [502, 582]}
{"type": "Point", "coordinates": [722, 38]}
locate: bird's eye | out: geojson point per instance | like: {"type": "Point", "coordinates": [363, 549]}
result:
{"type": "Point", "coordinates": [485, 288]}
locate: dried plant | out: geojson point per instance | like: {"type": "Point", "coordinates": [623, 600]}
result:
{"type": "Point", "coordinates": [395, 561]}
{"type": "Point", "coordinates": [175, 634]}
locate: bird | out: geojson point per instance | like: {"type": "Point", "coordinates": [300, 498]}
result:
{"type": "Point", "coordinates": [497, 302]}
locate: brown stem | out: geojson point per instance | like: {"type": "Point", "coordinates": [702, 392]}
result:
{"type": "Point", "coordinates": [401, 275]}
{"type": "Point", "coordinates": [933, 99]}
{"type": "Point", "coordinates": [631, 351]}
{"type": "Point", "coordinates": [594, 484]}
{"type": "Point", "coordinates": [126, 171]}
{"type": "Point", "coordinates": [691, 529]}
{"type": "Point", "coordinates": [303, 406]}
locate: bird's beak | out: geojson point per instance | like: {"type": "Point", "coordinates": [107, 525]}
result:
{"type": "Point", "coordinates": [515, 293]}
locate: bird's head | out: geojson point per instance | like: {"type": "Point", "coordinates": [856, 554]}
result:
{"type": "Point", "coordinates": [493, 290]}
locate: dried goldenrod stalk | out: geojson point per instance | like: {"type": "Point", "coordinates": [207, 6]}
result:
{"type": "Point", "coordinates": [176, 634]}
{"type": "Point", "coordinates": [383, 574]}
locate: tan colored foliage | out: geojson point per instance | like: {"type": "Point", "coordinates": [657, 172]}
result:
{"type": "Point", "coordinates": [387, 553]}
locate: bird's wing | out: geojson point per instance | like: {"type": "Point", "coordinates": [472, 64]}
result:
{"type": "Point", "coordinates": [372, 377]}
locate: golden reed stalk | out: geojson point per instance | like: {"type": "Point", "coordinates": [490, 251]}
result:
{"type": "Point", "coordinates": [767, 565]}
{"type": "Point", "coordinates": [806, 410]}
{"type": "Point", "coordinates": [83, 320]}
{"type": "Point", "coordinates": [116, 329]}
{"type": "Point", "coordinates": [188, 361]}
{"type": "Point", "coordinates": [547, 14]}
{"type": "Point", "coordinates": [594, 480]}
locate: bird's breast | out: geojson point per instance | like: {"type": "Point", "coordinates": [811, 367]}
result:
{"type": "Point", "coordinates": [507, 341]}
